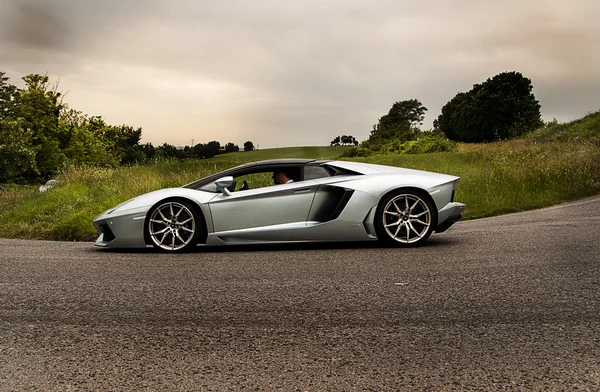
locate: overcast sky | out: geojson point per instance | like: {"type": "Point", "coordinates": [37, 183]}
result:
{"type": "Point", "coordinates": [291, 72]}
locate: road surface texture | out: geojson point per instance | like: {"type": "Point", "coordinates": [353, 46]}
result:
{"type": "Point", "coordinates": [506, 303]}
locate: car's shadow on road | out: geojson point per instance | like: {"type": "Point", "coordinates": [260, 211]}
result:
{"type": "Point", "coordinates": [432, 242]}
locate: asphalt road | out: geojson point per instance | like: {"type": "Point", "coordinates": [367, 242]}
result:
{"type": "Point", "coordinates": [506, 303]}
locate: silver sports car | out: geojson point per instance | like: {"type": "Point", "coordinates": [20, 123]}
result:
{"type": "Point", "coordinates": [319, 201]}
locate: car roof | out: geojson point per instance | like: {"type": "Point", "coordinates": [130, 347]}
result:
{"type": "Point", "coordinates": [282, 161]}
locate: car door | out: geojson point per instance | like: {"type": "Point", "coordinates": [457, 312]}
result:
{"type": "Point", "coordinates": [263, 210]}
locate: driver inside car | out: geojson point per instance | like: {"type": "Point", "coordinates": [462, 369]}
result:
{"type": "Point", "coordinates": [281, 177]}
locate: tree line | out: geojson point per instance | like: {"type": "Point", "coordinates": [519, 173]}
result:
{"type": "Point", "coordinates": [40, 134]}
{"type": "Point", "coordinates": [502, 107]}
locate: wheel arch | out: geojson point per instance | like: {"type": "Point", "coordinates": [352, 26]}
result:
{"type": "Point", "coordinates": [194, 205]}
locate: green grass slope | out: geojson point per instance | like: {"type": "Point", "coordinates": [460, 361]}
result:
{"type": "Point", "coordinates": [587, 128]}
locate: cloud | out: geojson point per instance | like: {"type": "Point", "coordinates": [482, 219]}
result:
{"type": "Point", "coordinates": [296, 71]}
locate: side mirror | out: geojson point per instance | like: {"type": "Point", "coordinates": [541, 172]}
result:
{"type": "Point", "coordinates": [223, 184]}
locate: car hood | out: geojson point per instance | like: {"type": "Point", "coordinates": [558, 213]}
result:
{"type": "Point", "coordinates": [147, 200]}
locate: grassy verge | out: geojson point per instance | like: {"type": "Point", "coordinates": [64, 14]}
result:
{"type": "Point", "coordinates": [513, 176]}
{"type": "Point", "coordinates": [537, 171]}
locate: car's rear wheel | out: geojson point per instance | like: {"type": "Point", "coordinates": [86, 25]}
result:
{"type": "Point", "coordinates": [174, 225]}
{"type": "Point", "coordinates": [405, 218]}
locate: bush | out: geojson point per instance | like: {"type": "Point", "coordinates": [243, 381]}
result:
{"type": "Point", "coordinates": [353, 152]}
{"type": "Point", "coordinates": [429, 142]}
{"type": "Point", "coordinates": [426, 142]}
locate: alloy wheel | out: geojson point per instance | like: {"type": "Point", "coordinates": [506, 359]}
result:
{"type": "Point", "coordinates": [407, 218]}
{"type": "Point", "coordinates": [172, 226]}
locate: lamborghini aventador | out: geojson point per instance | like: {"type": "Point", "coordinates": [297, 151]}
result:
{"type": "Point", "coordinates": [323, 201]}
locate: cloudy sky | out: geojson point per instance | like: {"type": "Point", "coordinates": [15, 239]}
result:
{"type": "Point", "coordinates": [295, 72]}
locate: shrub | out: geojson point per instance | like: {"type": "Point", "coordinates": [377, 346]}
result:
{"type": "Point", "coordinates": [426, 142]}
{"type": "Point", "coordinates": [429, 142]}
{"type": "Point", "coordinates": [353, 152]}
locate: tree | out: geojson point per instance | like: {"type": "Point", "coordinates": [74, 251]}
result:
{"type": "Point", "coordinates": [168, 151]}
{"type": "Point", "coordinates": [128, 142]}
{"type": "Point", "coordinates": [79, 143]}
{"type": "Point", "coordinates": [502, 107]}
{"type": "Point", "coordinates": [7, 97]}
{"type": "Point", "coordinates": [248, 146]}
{"type": "Point", "coordinates": [399, 123]}
{"type": "Point", "coordinates": [17, 154]}
{"type": "Point", "coordinates": [214, 146]}
{"type": "Point", "coordinates": [150, 152]}
{"type": "Point", "coordinates": [230, 147]}
{"type": "Point", "coordinates": [203, 151]}
{"type": "Point", "coordinates": [121, 141]}
{"type": "Point", "coordinates": [35, 122]}
{"type": "Point", "coordinates": [38, 108]}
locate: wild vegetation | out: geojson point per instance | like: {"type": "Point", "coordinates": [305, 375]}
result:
{"type": "Point", "coordinates": [398, 132]}
{"type": "Point", "coordinates": [556, 163]}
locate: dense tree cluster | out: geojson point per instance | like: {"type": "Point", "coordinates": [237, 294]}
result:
{"type": "Point", "coordinates": [502, 107]}
{"type": "Point", "coordinates": [40, 134]}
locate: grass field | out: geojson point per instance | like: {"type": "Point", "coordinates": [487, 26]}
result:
{"type": "Point", "coordinates": [542, 169]}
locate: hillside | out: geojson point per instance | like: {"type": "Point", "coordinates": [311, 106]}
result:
{"type": "Point", "coordinates": [587, 128]}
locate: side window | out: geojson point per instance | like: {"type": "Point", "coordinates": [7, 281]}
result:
{"type": "Point", "coordinates": [314, 172]}
{"type": "Point", "coordinates": [254, 180]}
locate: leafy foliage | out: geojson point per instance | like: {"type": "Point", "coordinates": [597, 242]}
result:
{"type": "Point", "coordinates": [423, 142]}
{"type": "Point", "coordinates": [356, 151]}
{"type": "Point", "coordinates": [17, 154]}
{"type": "Point", "coordinates": [7, 97]}
{"type": "Point", "coordinates": [502, 107]}
{"type": "Point", "coordinates": [400, 124]}
{"type": "Point", "coordinates": [398, 133]}
{"type": "Point", "coordinates": [37, 108]}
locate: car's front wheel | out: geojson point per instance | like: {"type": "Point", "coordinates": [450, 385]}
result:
{"type": "Point", "coordinates": [174, 226]}
{"type": "Point", "coordinates": [405, 218]}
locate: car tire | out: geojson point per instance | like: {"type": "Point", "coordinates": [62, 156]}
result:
{"type": "Point", "coordinates": [174, 226]}
{"type": "Point", "coordinates": [405, 218]}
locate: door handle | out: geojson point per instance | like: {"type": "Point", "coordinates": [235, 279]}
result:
{"type": "Point", "coordinates": [303, 190]}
